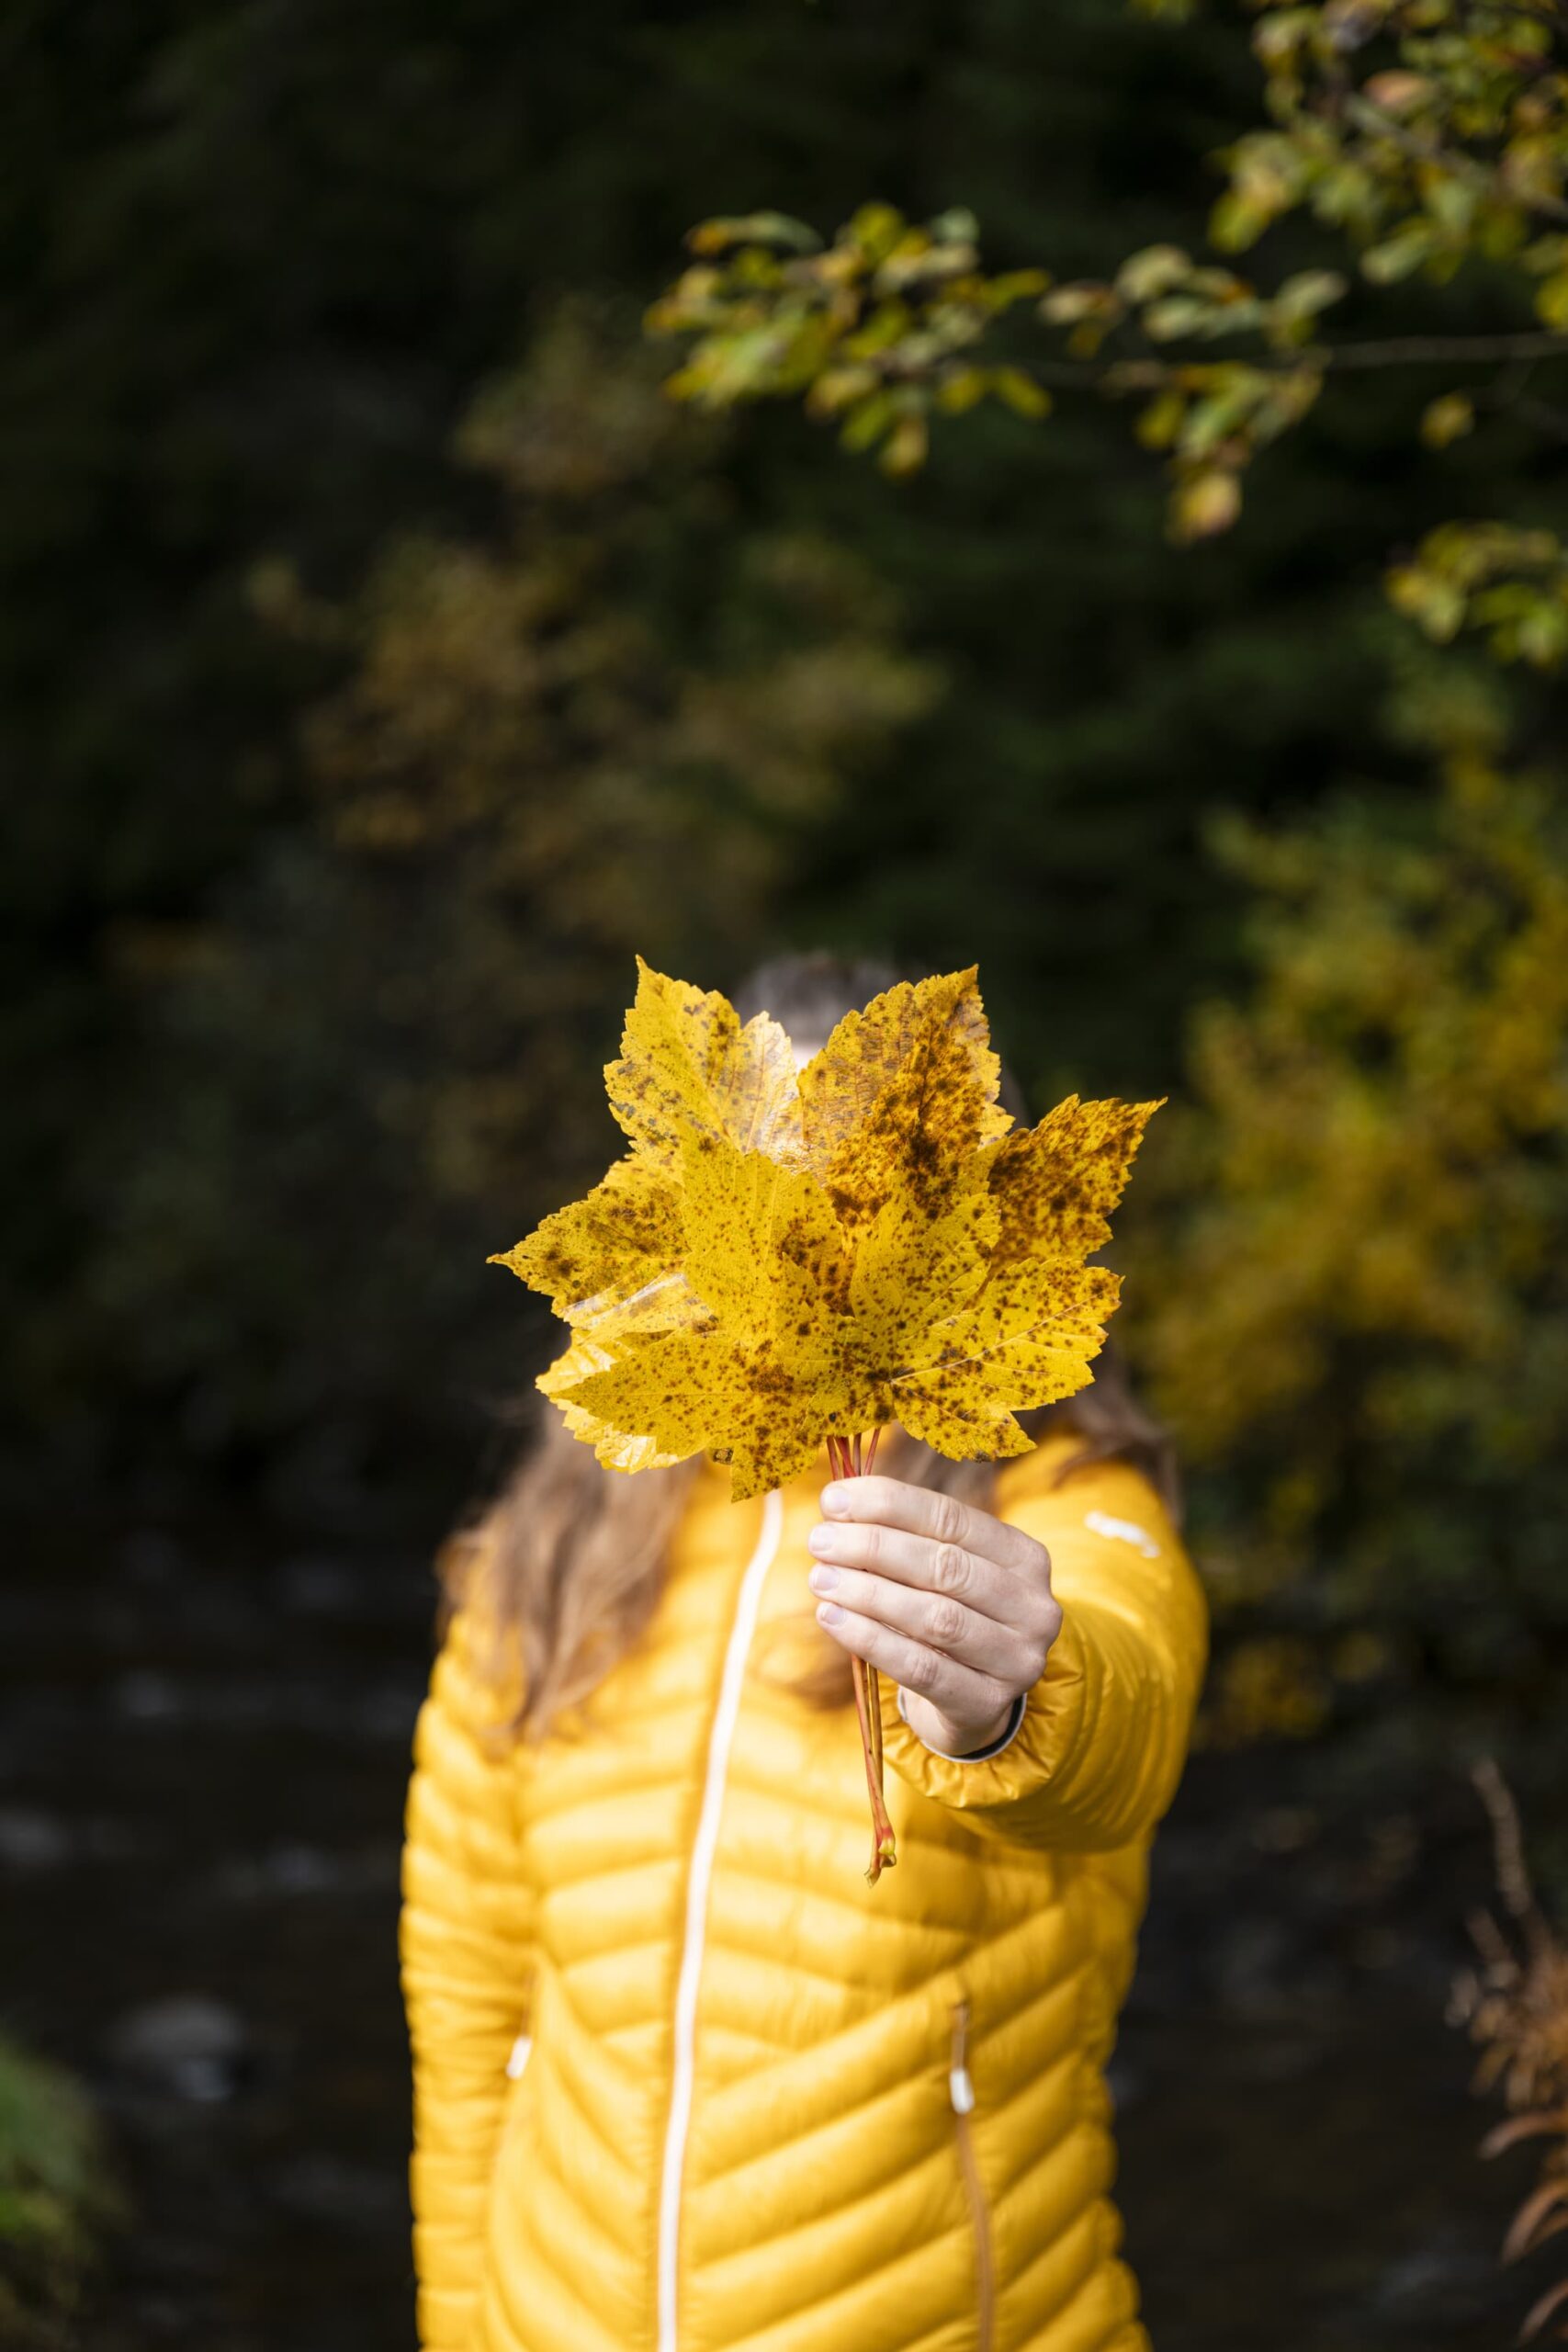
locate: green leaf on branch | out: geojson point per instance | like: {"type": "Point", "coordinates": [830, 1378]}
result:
{"type": "Point", "coordinates": [1447, 420]}
{"type": "Point", "coordinates": [1508, 581]}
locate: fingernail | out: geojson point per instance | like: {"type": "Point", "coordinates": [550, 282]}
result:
{"type": "Point", "coordinates": [835, 1500]}
{"type": "Point", "coordinates": [829, 1614]}
{"type": "Point", "coordinates": [819, 1539]}
{"type": "Point", "coordinates": [823, 1578]}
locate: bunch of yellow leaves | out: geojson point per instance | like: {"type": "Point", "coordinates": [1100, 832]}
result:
{"type": "Point", "coordinates": [785, 1258]}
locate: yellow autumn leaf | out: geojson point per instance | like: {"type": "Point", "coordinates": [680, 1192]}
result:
{"type": "Point", "coordinates": [615, 1450]}
{"type": "Point", "coordinates": [911, 1268]}
{"type": "Point", "coordinates": [904, 1090]}
{"type": "Point", "coordinates": [627, 1236]}
{"type": "Point", "coordinates": [763, 1250]}
{"type": "Point", "coordinates": [781, 1260]}
{"type": "Point", "coordinates": [1028, 1341]}
{"type": "Point", "coordinates": [1056, 1183]}
{"type": "Point", "coordinates": [687, 1066]}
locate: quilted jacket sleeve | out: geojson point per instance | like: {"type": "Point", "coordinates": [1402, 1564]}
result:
{"type": "Point", "coordinates": [1105, 1730]}
{"type": "Point", "coordinates": [465, 1943]}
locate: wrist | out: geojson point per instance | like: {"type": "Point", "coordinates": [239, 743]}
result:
{"type": "Point", "coordinates": [945, 1737]}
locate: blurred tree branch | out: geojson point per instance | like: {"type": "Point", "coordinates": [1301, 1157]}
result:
{"type": "Point", "coordinates": [1426, 135]}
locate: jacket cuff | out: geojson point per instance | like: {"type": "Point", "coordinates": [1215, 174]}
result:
{"type": "Point", "coordinates": [1033, 1753]}
{"type": "Point", "coordinates": [973, 1755]}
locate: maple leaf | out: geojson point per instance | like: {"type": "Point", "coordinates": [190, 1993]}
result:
{"type": "Point", "coordinates": [688, 1067]}
{"type": "Point", "coordinates": [621, 1244]}
{"type": "Point", "coordinates": [1031, 1332]}
{"type": "Point", "coordinates": [901, 1095]}
{"type": "Point", "coordinates": [614, 1449]}
{"type": "Point", "coordinates": [782, 1259]}
{"type": "Point", "coordinates": [767, 1363]}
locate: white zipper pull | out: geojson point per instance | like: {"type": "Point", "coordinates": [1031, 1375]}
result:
{"type": "Point", "coordinates": [521, 2049]}
{"type": "Point", "coordinates": [960, 2089]}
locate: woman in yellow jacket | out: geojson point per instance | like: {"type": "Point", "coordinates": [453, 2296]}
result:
{"type": "Point", "coordinates": [684, 2081]}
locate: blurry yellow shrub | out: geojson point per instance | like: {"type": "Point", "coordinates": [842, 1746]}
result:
{"type": "Point", "coordinates": [1352, 1293]}
{"type": "Point", "coordinates": [1270, 1688]}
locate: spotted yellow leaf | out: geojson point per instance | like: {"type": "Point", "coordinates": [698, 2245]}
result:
{"type": "Point", "coordinates": [627, 1236]}
{"type": "Point", "coordinates": [1055, 1184]}
{"type": "Point", "coordinates": [901, 1094]}
{"type": "Point", "coordinates": [614, 1448]}
{"type": "Point", "coordinates": [778, 1261]}
{"type": "Point", "coordinates": [688, 1066]}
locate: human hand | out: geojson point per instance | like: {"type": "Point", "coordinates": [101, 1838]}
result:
{"type": "Point", "coordinates": [951, 1603]}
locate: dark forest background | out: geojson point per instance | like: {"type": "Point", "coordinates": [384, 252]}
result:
{"type": "Point", "coordinates": [384, 663]}
{"type": "Point", "coordinates": [275, 1089]}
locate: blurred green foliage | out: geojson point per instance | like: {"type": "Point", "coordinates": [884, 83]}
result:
{"type": "Point", "coordinates": [54, 2200]}
{"type": "Point", "coordinates": [1423, 136]}
{"type": "Point", "coordinates": [878, 329]}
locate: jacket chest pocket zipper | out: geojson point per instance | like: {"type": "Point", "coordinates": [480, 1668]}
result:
{"type": "Point", "coordinates": [961, 2095]}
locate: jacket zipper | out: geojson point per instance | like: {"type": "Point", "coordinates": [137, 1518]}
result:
{"type": "Point", "coordinates": [721, 1738]}
{"type": "Point", "coordinates": [961, 2092]}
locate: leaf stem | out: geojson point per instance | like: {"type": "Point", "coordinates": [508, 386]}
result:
{"type": "Point", "coordinates": [851, 1458]}
{"type": "Point", "coordinates": [883, 1849]}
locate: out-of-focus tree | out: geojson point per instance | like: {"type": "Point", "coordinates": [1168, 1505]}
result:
{"type": "Point", "coordinates": [1430, 136]}
{"type": "Point", "coordinates": [1349, 1243]}
{"type": "Point", "coordinates": [600, 722]}
{"type": "Point", "coordinates": [1354, 1292]}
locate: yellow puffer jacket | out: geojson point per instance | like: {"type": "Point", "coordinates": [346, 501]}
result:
{"type": "Point", "coordinates": [684, 2081]}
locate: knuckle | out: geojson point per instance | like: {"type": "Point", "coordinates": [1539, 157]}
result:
{"type": "Point", "coordinates": [945, 1621]}
{"type": "Point", "coordinates": [868, 1546]}
{"type": "Point", "coordinates": [950, 1568]}
{"type": "Point", "coordinates": [947, 1519]}
{"type": "Point", "coordinates": [1031, 1662]}
{"type": "Point", "coordinates": [1042, 1618]}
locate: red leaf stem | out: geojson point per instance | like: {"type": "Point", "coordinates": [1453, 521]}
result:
{"type": "Point", "coordinates": [853, 1459]}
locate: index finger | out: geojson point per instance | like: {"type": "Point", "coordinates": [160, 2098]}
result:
{"type": "Point", "coordinates": [923, 1510]}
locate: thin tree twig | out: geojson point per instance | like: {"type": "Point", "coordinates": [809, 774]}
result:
{"type": "Point", "coordinates": [1392, 350]}
{"type": "Point", "coordinates": [1448, 350]}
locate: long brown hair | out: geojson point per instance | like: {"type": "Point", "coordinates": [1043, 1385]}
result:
{"type": "Point", "coordinates": [563, 1571]}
